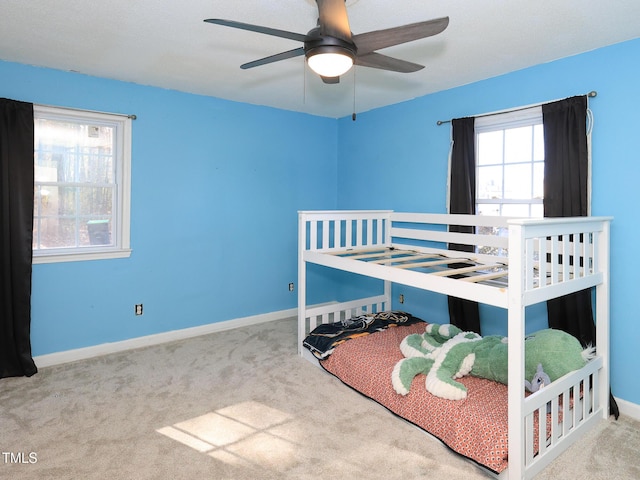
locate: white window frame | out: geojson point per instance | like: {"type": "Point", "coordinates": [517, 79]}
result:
{"type": "Point", "coordinates": [501, 121]}
{"type": "Point", "coordinates": [121, 247]}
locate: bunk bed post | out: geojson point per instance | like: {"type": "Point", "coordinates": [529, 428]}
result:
{"type": "Point", "coordinates": [516, 332]}
{"type": "Point", "coordinates": [602, 314]}
{"type": "Point", "coordinates": [387, 241]}
{"type": "Point", "coordinates": [302, 280]}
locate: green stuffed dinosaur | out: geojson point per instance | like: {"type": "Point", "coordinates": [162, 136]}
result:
{"type": "Point", "coordinates": [445, 353]}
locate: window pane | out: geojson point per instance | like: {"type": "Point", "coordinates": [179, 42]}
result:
{"type": "Point", "coordinates": [537, 210]}
{"type": "Point", "coordinates": [489, 182]}
{"type": "Point", "coordinates": [97, 231]}
{"type": "Point", "coordinates": [538, 143]}
{"type": "Point", "coordinates": [517, 181]}
{"type": "Point", "coordinates": [516, 210]}
{"type": "Point", "coordinates": [55, 233]}
{"type": "Point", "coordinates": [95, 201]}
{"type": "Point", "coordinates": [95, 166]}
{"type": "Point", "coordinates": [76, 152]}
{"type": "Point", "coordinates": [518, 144]}
{"type": "Point", "coordinates": [490, 148]}
{"type": "Point", "coordinates": [488, 209]}
{"type": "Point", "coordinates": [66, 200]}
{"type": "Point", "coordinates": [538, 180]}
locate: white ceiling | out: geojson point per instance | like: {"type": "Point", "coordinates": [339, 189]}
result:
{"type": "Point", "coordinates": [165, 43]}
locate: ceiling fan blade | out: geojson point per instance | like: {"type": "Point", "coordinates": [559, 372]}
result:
{"type": "Point", "coordinates": [333, 19]}
{"type": "Point", "coordinates": [384, 62]}
{"type": "Point", "coordinates": [259, 29]}
{"type": "Point", "coordinates": [296, 52]}
{"type": "Point", "coordinates": [378, 39]}
{"type": "Point", "coordinates": [330, 80]}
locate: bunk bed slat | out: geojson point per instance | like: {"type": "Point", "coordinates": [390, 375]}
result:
{"type": "Point", "coordinates": [529, 436]}
{"type": "Point", "coordinates": [542, 261]}
{"type": "Point", "coordinates": [408, 258]}
{"type": "Point", "coordinates": [313, 236]}
{"type": "Point", "coordinates": [361, 256]}
{"type": "Point", "coordinates": [337, 234]}
{"type": "Point", "coordinates": [555, 421]}
{"type": "Point", "coordinates": [555, 267]}
{"type": "Point", "coordinates": [542, 430]}
{"type": "Point", "coordinates": [529, 264]}
{"type": "Point", "coordinates": [428, 264]}
{"type": "Point", "coordinates": [484, 277]}
{"type": "Point", "coordinates": [566, 265]}
{"type": "Point", "coordinates": [473, 268]}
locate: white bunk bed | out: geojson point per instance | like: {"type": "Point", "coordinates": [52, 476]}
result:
{"type": "Point", "coordinates": [411, 249]}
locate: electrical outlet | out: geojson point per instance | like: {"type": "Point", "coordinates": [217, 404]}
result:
{"type": "Point", "coordinates": [138, 309]}
{"type": "Point", "coordinates": [291, 287]}
{"type": "Point", "coordinates": [401, 299]}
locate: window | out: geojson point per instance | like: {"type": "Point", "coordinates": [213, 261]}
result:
{"type": "Point", "coordinates": [510, 164]}
{"type": "Point", "coordinates": [82, 185]}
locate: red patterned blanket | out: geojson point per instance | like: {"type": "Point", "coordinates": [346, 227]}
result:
{"type": "Point", "coordinates": [475, 427]}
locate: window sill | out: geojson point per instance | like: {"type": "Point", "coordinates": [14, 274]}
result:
{"type": "Point", "coordinates": [80, 257]}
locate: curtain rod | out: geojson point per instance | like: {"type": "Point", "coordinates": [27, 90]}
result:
{"type": "Point", "coordinates": [592, 94]}
{"type": "Point", "coordinates": [131, 116]}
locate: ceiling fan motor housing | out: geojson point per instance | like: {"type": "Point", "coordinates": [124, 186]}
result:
{"type": "Point", "coordinates": [324, 44]}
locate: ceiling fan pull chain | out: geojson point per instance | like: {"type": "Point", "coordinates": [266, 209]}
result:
{"type": "Point", "coordinates": [353, 115]}
{"type": "Point", "coordinates": [304, 82]}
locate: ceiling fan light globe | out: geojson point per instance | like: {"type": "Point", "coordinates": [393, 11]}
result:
{"type": "Point", "coordinates": [330, 64]}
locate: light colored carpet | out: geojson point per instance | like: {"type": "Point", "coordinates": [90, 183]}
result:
{"type": "Point", "coordinates": [236, 405]}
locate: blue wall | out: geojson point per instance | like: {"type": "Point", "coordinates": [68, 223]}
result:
{"type": "Point", "coordinates": [401, 154]}
{"type": "Point", "coordinates": [216, 187]}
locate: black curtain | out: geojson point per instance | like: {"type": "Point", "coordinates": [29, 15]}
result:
{"type": "Point", "coordinates": [16, 218]}
{"type": "Point", "coordinates": [462, 199]}
{"type": "Point", "coordinates": [566, 165]}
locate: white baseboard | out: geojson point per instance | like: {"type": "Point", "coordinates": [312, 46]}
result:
{"type": "Point", "coordinates": [67, 356]}
{"type": "Point", "coordinates": [628, 409]}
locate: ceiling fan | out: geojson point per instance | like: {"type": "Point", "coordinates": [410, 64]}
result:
{"type": "Point", "coordinates": [331, 49]}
